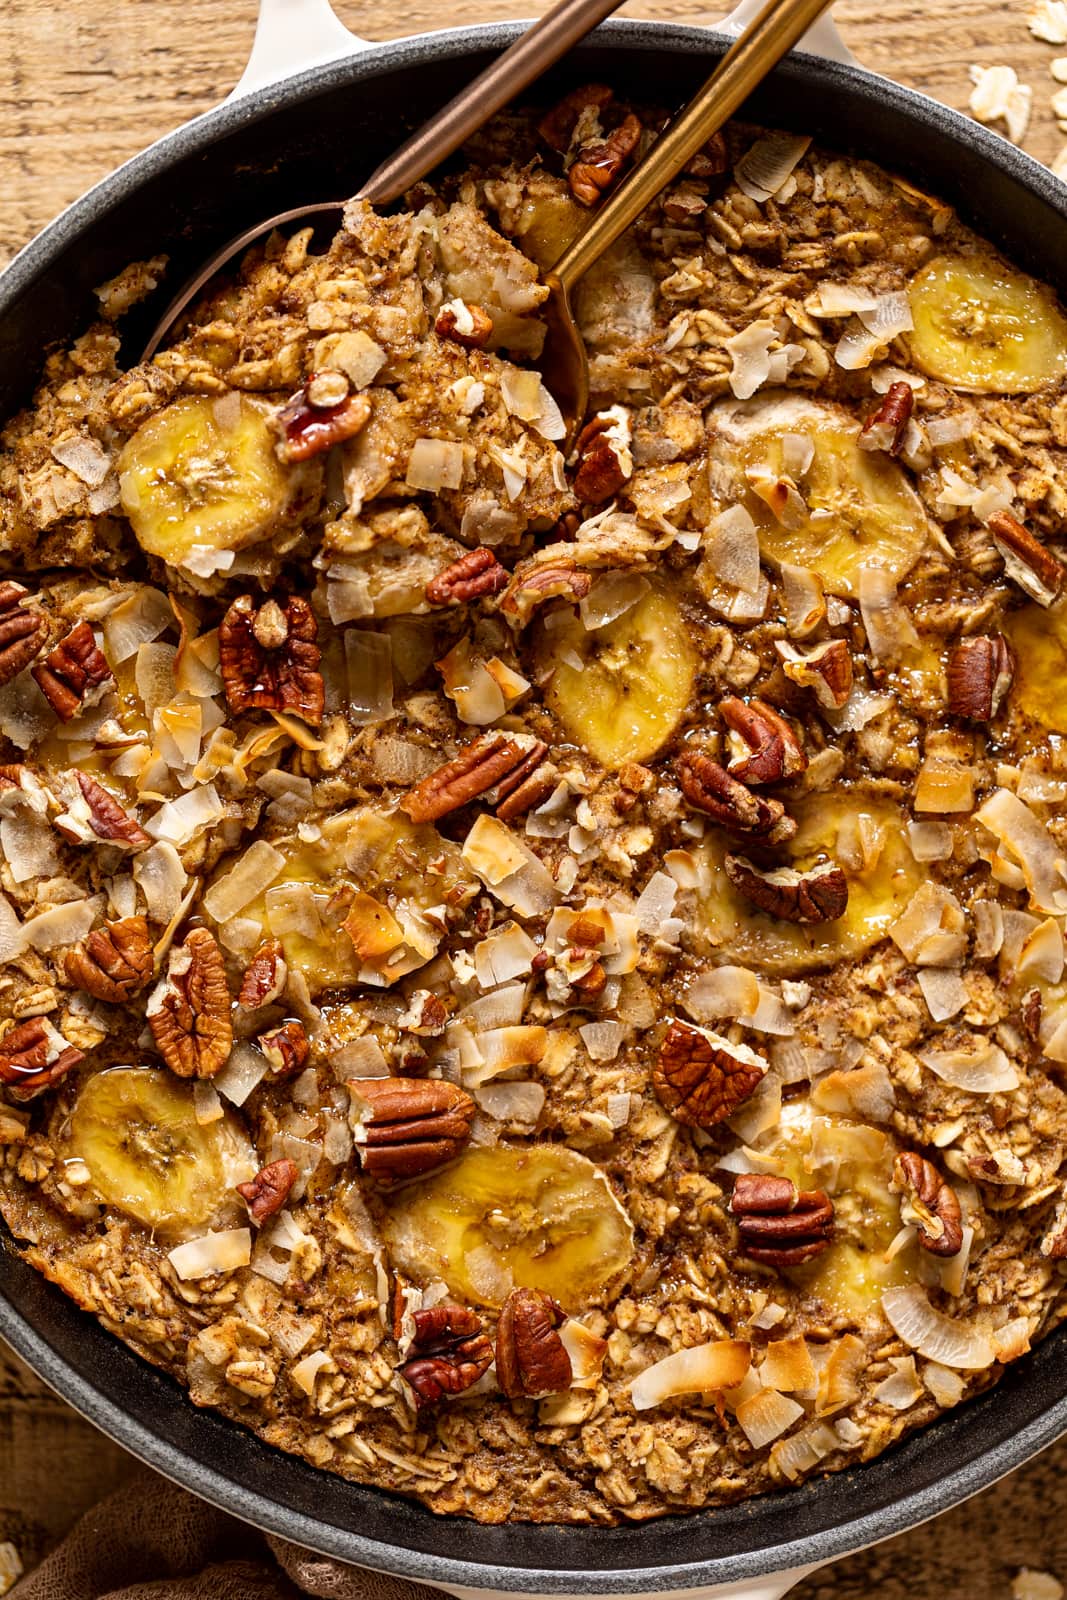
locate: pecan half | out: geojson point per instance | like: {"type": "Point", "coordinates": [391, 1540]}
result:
{"type": "Point", "coordinates": [474, 574]}
{"type": "Point", "coordinates": [74, 674]}
{"type": "Point", "coordinates": [464, 324]}
{"type": "Point", "coordinates": [605, 459]}
{"type": "Point", "coordinates": [531, 792]}
{"type": "Point", "coordinates": [94, 816]}
{"type": "Point", "coordinates": [557, 126]}
{"type": "Point", "coordinates": [531, 1358]}
{"type": "Point", "coordinates": [265, 976]}
{"type": "Point", "coordinates": [114, 962]}
{"type": "Point", "coordinates": [701, 1078]}
{"type": "Point", "coordinates": [286, 1048]}
{"type": "Point", "coordinates": [493, 761]}
{"type": "Point", "coordinates": [886, 427]}
{"type": "Point", "coordinates": [269, 657]}
{"type": "Point", "coordinates": [825, 669]}
{"type": "Point", "coordinates": [979, 674]}
{"type": "Point", "coordinates": [818, 895]}
{"type": "Point", "coordinates": [319, 416]}
{"type": "Point", "coordinates": [711, 789]}
{"type": "Point", "coordinates": [535, 582]}
{"type": "Point", "coordinates": [598, 166]}
{"type": "Point", "coordinates": [1036, 570]}
{"type": "Point", "coordinates": [33, 1056]}
{"type": "Point", "coordinates": [929, 1202]}
{"type": "Point", "coordinates": [269, 1189]}
{"type": "Point", "coordinates": [778, 1223]}
{"type": "Point", "coordinates": [451, 1352]}
{"type": "Point", "coordinates": [22, 632]}
{"type": "Point", "coordinates": [774, 751]}
{"type": "Point", "coordinates": [189, 1012]}
{"type": "Point", "coordinates": [414, 1125]}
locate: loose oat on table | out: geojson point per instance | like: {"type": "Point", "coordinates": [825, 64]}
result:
{"type": "Point", "coordinates": [537, 983]}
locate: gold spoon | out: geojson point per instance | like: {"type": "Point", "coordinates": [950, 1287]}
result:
{"type": "Point", "coordinates": [768, 37]}
{"type": "Point", "coordinates": [544, 43]}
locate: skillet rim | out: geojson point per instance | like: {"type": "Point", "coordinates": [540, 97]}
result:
{"type": "Point", "coordinates": [941, 1490]}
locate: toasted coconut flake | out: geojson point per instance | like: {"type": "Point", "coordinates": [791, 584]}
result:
{"type": "Point", "coordinates": [137, 620]}
{"type": "Point", "coordinates": [932, 1334]}
{"type": "Point", "coordinates": [436, 464]}
{"type": "Point", "coordinates": [1026, 840]}
{"type": "Point", "coordinates": [702, 1369]}
{"type": "Point", "coordinates": [360, 1058]}
{"type": "Point", "coordinates": [945, 1385]}
{"type": "Point", "coordinates": [506, 954]}
{"type": "Point", "coordinates": [177, 821]}
{"type": "Point", "coordinates": [983, 1070]}
{"type": "Point", "coordinates": [930, 841]}
{"type": "Point", "coordinates": [504, 1049]}
{"type": "Point", "coordinates": [154, 675]}
{"type": "Point", "coordinates": [244, 1070]}
{"type": "Point", "coordinates": [804, 601]}
{"type": "Point", "coordinates": [510, 870]}
{"type": "Point", "coordinates": [655, 903]}
{"type": "Point", "coordinates": [258, 867]}
{"type": "Point", "coordinates": [161, 878]}
{"type": "Point", "coordinates": [212, 1253]}
{"type": "Point", "coordinates": [731, 549]}
{"type": "Point", "coordinates": [611, 596]}
{"type": "Point", "coordinates": [60, 925]}
{"type": "Point", "coordinates": [951, 1271]}
{"type": "Point", "coordinates": [766, 1416]}
{"type": "Point", "coordinates": [839, 1376]}
{"type": "Point", "coordinates": [520, 1103]}
{"type": "Point", "coordinates": [766, 165]}
{"type": "Point", "coordinates": [944, 991]}
{"type": "Point", "coordinates": [1012, 1340]}
{"type": "Point", "coordinates": [1042, 955]}
{"type": "Point", "coordinates": [586, 1351]}
{"type": "Point", "coordinates": [890, 630]}
{"type": "Point", "coordinates": [944, 787]}
{"type": "Point", "coordinates": [902, 1389]}
{"type": "Point", "coordinates": [865, 1093]}
{"type": "Point", "coordinates": [603, 1041]}
{"type": "Point", "coordinates": [931, 931]}
{"type": "Point", "coordinates": [28, 846]}
{"type": "Point", "coordinates": [723, 992]}
{"type": "Point", "coordinates": [787, 1365]}
{"type": "Point", "coordinates": [369, 675]}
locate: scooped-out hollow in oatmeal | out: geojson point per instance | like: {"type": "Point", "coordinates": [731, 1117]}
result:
{"type": "Point", "coordinates": [536, 982]}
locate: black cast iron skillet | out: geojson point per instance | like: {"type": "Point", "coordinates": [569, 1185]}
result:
{"type": "Point", "coordinates": [313, 137]}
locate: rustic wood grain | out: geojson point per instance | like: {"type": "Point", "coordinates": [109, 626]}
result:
{"type": "Point", "coordinates": [90, 83]}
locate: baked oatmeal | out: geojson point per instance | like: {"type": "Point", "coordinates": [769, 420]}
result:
{"type": "Point", "coordinates": [536, 981]}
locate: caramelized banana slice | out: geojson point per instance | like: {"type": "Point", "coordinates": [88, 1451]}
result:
{"type": "Point", "coordinates": [1039, 639]}
{"type": "Point", "coordinates": [847, 508]}
{"type": "Point", "coordinates": [136, 1131]}
{"type": "Point", "coordinates": [203, 477]}
{"type": "Point", "coordinates": [529, 1216]}
{"type": "Point", "coordinates": [982, 326]}
{"type": "Point", "coordinates": [866, 838]}
{"type": "Point", "coordinates": [619, 690]}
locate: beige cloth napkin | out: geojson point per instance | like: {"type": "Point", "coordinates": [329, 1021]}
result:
{"type": "Point", "coordinates": [140, 1538]}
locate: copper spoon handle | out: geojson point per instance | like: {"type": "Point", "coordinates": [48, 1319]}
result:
{"type": "Point", "coordinates": [766, 39]}
{"type": "Point", "coordinates": [546, 42]}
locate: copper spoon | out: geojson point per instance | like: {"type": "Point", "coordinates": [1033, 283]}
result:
{"type": "Point", "coordinates": [768, 37]}
{"type": "Point", "coordinates": [532, 53]}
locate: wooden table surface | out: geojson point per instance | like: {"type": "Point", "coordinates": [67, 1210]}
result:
{"type": "Point", "coordinates": [89, 84]}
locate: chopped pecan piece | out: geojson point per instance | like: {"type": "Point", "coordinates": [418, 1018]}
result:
{"type": "Point", "coordinates": [979, 674]}
{"type": "Point", "coordinates": [1054, 1240]}
{"type": "Point", "coordinates": [537, 581]}
{"type": "Point", "coordinates": [33, 1056]}
{"type": "Point", "coordinates": [308, 428]}
{"type": "Point", "coordinates": [1036, 570]}
{"type": "Point", "coordinates": [22, 632]}
{"type": "Point", "coordinates": [778, 1223]}
{"type": "Point", "coordinates": [286, 1048]}
{"type": "Point", "coordinates": [414, 1125]}
{"type": "Point", "coordinates": [451, 1352]}
{"type": "Point", "coordinates": [114, 962]}
{"type": "Point", "coordinates": [605, 459]}
{"type": "Point", "coordinates": [465, 324]}
{"type": "Point", "coordinates": [826, 669]}
{"type": "Point", "coordinates": [818, 895]}
{"type": "Point", "coordinates": [701, 1078]}
{"type": "Point", "coordinates": [774, 752]}
{"type": "Point", "coordinates": [74, 674]}
{"type": "Point", "coordinates": [1030, 1012]}
{"type": "Point", "coordinates": [929, 1202]}
{"type": "Point", "coordinates": [270, 657]}
{"type": "Point", "coordinates": [475, 574]}
{"type": "Point", "coordinates": [265, 976]}
{"type": "Point", "coordinates": [94, 816]}
{"type": "Point", "coordinates": [557, 127]}
{"type": "Point", "coordinates": [493, 761]}
{"type": "Point", "coordinates": [269, 1189]}
{"type": "Point", "coordinates": [711, 160]}
{"type": "Point", "coordinates": [711, 789]}
{"type": "Point", "coordinates": [189, 1012]}
{"type": "Point", "coordinates": [886, 427]}
{"type": "Point", "coordinates": [531, 1358]}
{"type": "Point", "coordinates": [598, 166]}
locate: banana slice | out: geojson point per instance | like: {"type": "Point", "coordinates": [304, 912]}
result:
{"type": "Point", "coordinates": [619, 690]}
{"type": "Point", "coordinates": [530, 1216]}
{"type": "Point", "coordinates": [1039, 639]}
{"type": "Point", "coordinates": [204, 473]}
{"type": "Point", "coordinates": [866, 837]}
{"type": "Point", "coordinates": [982, 326]}
{"type": "Point", "coordinates": [366, 902]}
{"type": "Point", "coordinates": [861, 510]}
{"type": "Point", "coordinates": [136, 1131]}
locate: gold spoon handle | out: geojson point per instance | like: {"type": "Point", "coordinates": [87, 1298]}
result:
{"type": "Point", "coordinates": [747, 62]}
{"type": "Point", "coordinates": [546, 42]}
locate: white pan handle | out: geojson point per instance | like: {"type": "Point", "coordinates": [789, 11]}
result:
{"type": "Point", "coordinates": [821, 39]}
{"type": "Point", "coordinates": [292, 35]}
